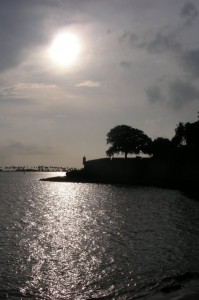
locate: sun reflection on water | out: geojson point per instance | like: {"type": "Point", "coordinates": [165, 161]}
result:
{"type": "Point", "coordinates": [63, 241]}
{"type": "Point", "coordinates": [85, 241]}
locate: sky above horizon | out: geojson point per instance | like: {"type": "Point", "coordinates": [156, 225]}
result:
{"type": "Point", "coordinates": [137, 64]}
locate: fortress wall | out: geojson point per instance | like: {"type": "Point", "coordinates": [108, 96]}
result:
{"type": "Point", "coordinates": [132, 170]}
{"type": "Point", "coordinates": [147, 171]}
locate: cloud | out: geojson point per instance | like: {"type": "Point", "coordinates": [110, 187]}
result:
{"type": "Point", "coordinates": [166, 38]}
{"type": "Point", "coordinates": [14, 94]}
{"type": "Point", "coordinates": [18, 31]}
{"type": "Point", "coordinates": [154, 94]}
{"type": "Point", "coordinates": [8, 91]}
{"type": "Point", "coordinates": [89, 83]}
{"type": "Point", "coordinates": [26, 86]}
{"type": "Point", "coordinates": [190, 62]}
{"type": "Point", "coordinates": [128, 37]}
{"type": "Point", "coordinates": [17, 152]}
{"type": "Point", "coordinates": [15, 101]}
{"type": "Point", "coordinates": [163, 42]}
{"type": "Point", "coordinates": [154, 44]}
{"type": "Point", "coordinates": [189, 12]}
{"type": "Point", "coordinates": [125, 64]}
{"type": "Point", "coordinates": [182, 92]}
{"type": "Point", "coordinates": [175, 94]}
{"type": "Point", "coordinates": [27, 149]}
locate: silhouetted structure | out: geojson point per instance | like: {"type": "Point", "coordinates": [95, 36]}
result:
{"type": "Point", "coordinates": [173, 164]}
{"type": "Point", "coordinates": [84, 160]}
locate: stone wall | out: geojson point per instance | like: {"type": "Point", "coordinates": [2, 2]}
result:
{"type": "Point", "coordinates": [146, 171]}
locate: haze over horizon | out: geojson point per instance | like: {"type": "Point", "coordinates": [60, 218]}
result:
{"type": "Point", "coordinates": [132, 62]}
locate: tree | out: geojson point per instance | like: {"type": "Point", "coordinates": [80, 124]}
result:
{"type": "Point", "coordinates": [192, 135]}
{"type": "Point", "coordinates": [186, 141]}
{"type": "Point", "coordinates": [180, 137]}
{"type": "Point", "coordinates": [161, 147]}
{"type": "Point", "coordinates": [187, 135]}
{"type": "Point", "coordinates": [125, 139]}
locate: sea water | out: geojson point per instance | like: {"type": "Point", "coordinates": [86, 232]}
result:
{"type": "Point", "coordinates": [63, 240]}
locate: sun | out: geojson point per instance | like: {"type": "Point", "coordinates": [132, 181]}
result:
{"type": "Point", "coordinates": [65, 49]}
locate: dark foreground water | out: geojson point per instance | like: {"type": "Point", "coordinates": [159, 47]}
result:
{"type": "Point", "coordinates": [90, 241]}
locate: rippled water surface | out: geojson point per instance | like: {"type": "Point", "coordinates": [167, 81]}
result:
{"type": "Point", "coordinates": [91, 241]}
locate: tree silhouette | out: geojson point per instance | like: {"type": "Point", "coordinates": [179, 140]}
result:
{"type": "Point", "coordinates": [180, 137]}
{"type": "Point", "coordinates": [187, 135]}
{"type": "Point", "coordinates": [186, 141]}
{"type": "Point", "coordinates": [192, 134]}
{"type": "Point", "coordinates": [125, 139]}
{"type": "Point", "coordinates": [161, 147]}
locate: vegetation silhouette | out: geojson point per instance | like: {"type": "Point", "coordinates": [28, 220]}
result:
{"type": "Point", "coordinates": [183, 146]}
{"type": "Point", "coordinates": [34, 169]}
{"type": "Point", "coordinates": [161, 148]}
{"type": "Point", "coordinates": [127, 140]}
{"type": "Point", "coordinates": [186, 141]}
{"type": "Point", "coordinates": [170, 163]}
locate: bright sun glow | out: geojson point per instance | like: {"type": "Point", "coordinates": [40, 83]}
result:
{"type": "Point", "coordinates": [65, 49]}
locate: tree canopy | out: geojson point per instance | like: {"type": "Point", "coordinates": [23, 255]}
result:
{"type": "Point", "coordinates": [161, 147]}
{"type": "Point", "coordinates": [187, 134]}
{"type": "Point", "coordinates": [125, 139]}
{"type": "Point", "coordinates": [186, 140]}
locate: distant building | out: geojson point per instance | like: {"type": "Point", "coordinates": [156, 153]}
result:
{"type": "Point", "coordinates": [84, 160]}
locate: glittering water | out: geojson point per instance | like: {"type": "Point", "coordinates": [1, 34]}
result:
{"type": "Point", "coordinates": [88, 241]}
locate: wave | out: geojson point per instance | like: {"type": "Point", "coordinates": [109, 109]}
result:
{"type": "Point", "coordinates": [167, 284]}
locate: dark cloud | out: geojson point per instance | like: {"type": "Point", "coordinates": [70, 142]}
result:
{"type": "Point", "coordinates": [181, 92]}
{"type": "Point", "coordinates": [157, 44]}
{"type": "Point", "coordinates": [163, 42]}
{"type": "Point", "coordinates": [168, 41]}
{"type": "Point", "coordinates": [189, 12]}
{"type": "Point", "coordinates": [190, 62]}
{"type": "Point", "coordinates": [129, 38]}
{"type": "Point", "coordinates": [175, 94]}
{"type": "Point", "coordinates": [154, 94]}
{"type": "Point", "coordinates": [125, 64]}
{"type": "Point", "coordinates": [17, 31]}
{"type": "Point", "coordinates": [166, 38]}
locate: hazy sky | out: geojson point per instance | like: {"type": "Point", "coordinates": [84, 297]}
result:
{"type": "Point", "coordinates": [138, 65]}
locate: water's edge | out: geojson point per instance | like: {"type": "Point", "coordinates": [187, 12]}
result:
{"type": "Point", "coordinates": [190, 190]}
